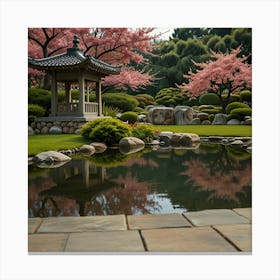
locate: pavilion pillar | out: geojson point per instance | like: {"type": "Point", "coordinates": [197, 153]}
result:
{"type": "Point", "coordinates": [54, 98]}
{"type": "Point", "coordinates": [81, 95]}
{"type": "Point", "coordinates": [67, 92]}
{"type": "Point", "coordinates": [99, 98]}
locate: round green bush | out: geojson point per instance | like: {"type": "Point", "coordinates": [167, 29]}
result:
{"type": "Point", "coordinates": [122, 101]}
{"type": "Point", "coordinates": [144, 132]}
{"type": "Point", "coordinates": [239, 113]}
{"type": "Point", "coordinates": [235, 105]}
{"type": "Point", "coordinates": [209, 99]}
{"type": "Point", "coordinates": [169, 97]}
{"type": "Point", "coordinates": [211, 111]}
{"type": "Point", "coordinates": [35, 111]}
{"type": "Point", "coordinates": [144, 100]}
{"type": "Point", "coordinates": [40, 97]}
{"type": "Point", "coordinates": [246, 95]}
{"type": "Point", "coordinates": [108, 131]}
{"type": "Point", "coordinates": [130, 117]}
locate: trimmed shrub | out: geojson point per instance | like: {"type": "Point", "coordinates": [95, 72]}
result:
{"type": "Point", "coordinates": [206, 107]}
{"type": "Point", "coordinates": [209, 99]}
{"type": "Point", "coordinates": [211, 111]}
{"type": "Point", "coordinates": [40, 97]}
{"type": "Point", "coordinates": [144, 100]}
{"type": "Point", "coordinates": [122, 101]}
{"type": "Point", "coordinates": [246, 95]}
{"type": "Point", "coordinates": [144, 132]}
{"type": "Point", "coordinates": [235, 105]}
{"type": "Point", "coordinates": [239, 113]}
{"type": "Point", "coordinates": [130, 117]}
{"type": "Point", "coordinates": [35, 111]}
{"type": "Point", "coordinates": [211, 117]}
{"type": "Point", "coordinates": [108, 131]}
{"type": "Point", "coordinates": [169, 97]}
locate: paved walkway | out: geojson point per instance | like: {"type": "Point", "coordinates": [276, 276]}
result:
{"type": "Point", "coordinates": [212, 231]}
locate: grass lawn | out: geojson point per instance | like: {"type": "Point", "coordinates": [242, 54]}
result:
{"type": "Point", "coordinates": [207, 130]}
{"type": "Point", "coordinates": [41, 143]}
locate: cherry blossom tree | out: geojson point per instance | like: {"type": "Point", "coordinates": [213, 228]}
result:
{"type": "Point", "coordinates": [225, 75]}
{"type": "Point", "coordinates": [111, 45]}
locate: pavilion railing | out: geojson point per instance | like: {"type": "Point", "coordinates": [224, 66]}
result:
{"type": "Point", "coordinates": [66, 108]}
{"type": "Point", "coordinates": [91, 107]}
{"type": "Point", "coordinates": [72, 108]}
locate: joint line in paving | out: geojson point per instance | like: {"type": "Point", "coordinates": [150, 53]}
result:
{"type": "Point", "coordinates": [143, 241]}
{"type": "Point", "coordinates": [188, 220]}
{"type": "Point", "coordinates": [126, 222]}
{"type": "Point", "coordinates": [227, 239]}
{"type": "Point", "coordinates": [37, 226]}
{"type": "Point", "coordinates": [66, 241]}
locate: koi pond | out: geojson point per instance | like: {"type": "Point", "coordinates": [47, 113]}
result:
{"type": "Point", "coordinates": [150, 181]}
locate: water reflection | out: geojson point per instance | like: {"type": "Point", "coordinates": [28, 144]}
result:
{"type": "Point", "coordinates": [163, 181]}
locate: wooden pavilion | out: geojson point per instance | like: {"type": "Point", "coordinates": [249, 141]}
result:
{"type": "Point", "coordinates": [74, 67]}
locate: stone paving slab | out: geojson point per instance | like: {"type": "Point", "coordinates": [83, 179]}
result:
{"type": "Point", "coordinates": [114, 241]}
{"type": "Point", "coordinates": [239, 234]}
{"type": "Point", "coordinates": [54, 242]}
{"type": "Point", "coordinates": [204, 239]}
{"type": "Point", "coordinates": [82, 224]}
{"type": "Point", "coordinates": [33, 224]}
{"type": "Point", "coordinates": [245, 212]}
{"type": "Point", "coordinates": [215, 217]}
{"type": "Point", "coordinates": [157, 221]}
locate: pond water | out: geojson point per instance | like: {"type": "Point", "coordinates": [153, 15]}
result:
{"type": "Point", "coordinates": [162, 181]}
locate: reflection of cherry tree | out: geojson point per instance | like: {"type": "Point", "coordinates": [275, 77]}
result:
{"type": "Point", "coordinates": [44, 205]}
{"type": "Point", "coordinates": [223, 184]}
{"type": "Point", "coordinates": [130, 199]}
{"type": "Point", "coordinates": [141, 162]}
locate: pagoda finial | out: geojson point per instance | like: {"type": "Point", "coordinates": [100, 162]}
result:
{"type": "Point", "coordinates": [76, 41]}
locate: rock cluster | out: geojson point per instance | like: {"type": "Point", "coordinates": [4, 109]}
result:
{"type": "Point", "coordinates": [56, 127]}
{"type": "Point", "coordinates": [167, 139]}
{"type": "Point", "coordinates": [185, 115]}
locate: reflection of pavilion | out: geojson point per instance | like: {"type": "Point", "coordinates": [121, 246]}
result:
{"type": "Point", "coordinates": [79, 181]}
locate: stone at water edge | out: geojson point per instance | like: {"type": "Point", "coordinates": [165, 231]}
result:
{"type": "Point", "coordinates": [99, 147]}
{"type": "Point", "coordinates": [237, 143]}
{"type": "Point", "coordinates": [128, 145]}
{"type": "Point", "coordinates": [50, 157]}
{"type": "Point", "coordinates": [87, 150]}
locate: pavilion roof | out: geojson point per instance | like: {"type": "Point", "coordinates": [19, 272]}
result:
{"type": "Point", "coordinates": [72, 59]}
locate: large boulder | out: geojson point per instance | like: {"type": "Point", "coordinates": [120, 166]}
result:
{"type": "Point", "coordinates": [220, 119]}
{"type": "Point", "coordinates": [161, 115]}
{"type": "Point", "coordinates": [184, 139]}
{"type": "Point", "coordinates": [50, 157]}
{"type": "Point", "coordinates": [196, 121]}
{"type": "Point", "coordinates": [164, 138]}
{"type": "Point", "coordinates": [183, 114]}
{"type": "Point", "coordinates": [203, 116]}
{"type": "Point", "coordinates": [99, 147]}
{"type": "Point", "coordinates": [233, 122]}
{"type": "Point", "coordinates": [87, 150]}
{"type": "Point", "coordinates": [129, 145]}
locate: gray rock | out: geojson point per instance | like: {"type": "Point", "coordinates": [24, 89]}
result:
{"type": "Point", "coordinates": [99, 147]}
{"type": "Point", "coordinates": [45, 130]}
{"type": "Point", "coordinates": [49, 125]}
{"type": "Point", "coordinates": [55, 130]}
{"type": "Point", "coordinates": [50, 157]}
{"type": "Point", "coordinates": [87, 150]}
{"type": "Point", "coordinates": [216, 139]}
{"type": "Point", "coordinates": [65, 129]}
{"type": "Point", "coordinates": [161, 115]}
{"type": "Point", "coordinates": [183, 115]}
{"type": "Point", "coordinates": [196, 121]}
{"type": "Point", "coordinates": [30, 130]}
{"type": "Point", "coordinates": [206, 122]}
{"type": "Point", "coordinates": [248, 122]}
{"type": "Point", "coordinates": [233, 122]}
{"type": "Point", "coordinates": [33, 125]}
{"type": "Point", "coordinates": [184, 139]}
{"type": "Point", "coordinates": [237, 144]}
{"type": "Point", "coordinates": [129, 145]}
{"type": "Point", "coordinates": [203, 116]}
{"type": "Point", "coordinates": [164, 138]}
{"type": "Point", "coordinates": [37, 131]}
{"type": "Point", "coordinates": [71, 130]}
{"type": "Point", "coordinates": [220, 119]}
{"type": "Point", "coordinates": [78, 131]}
